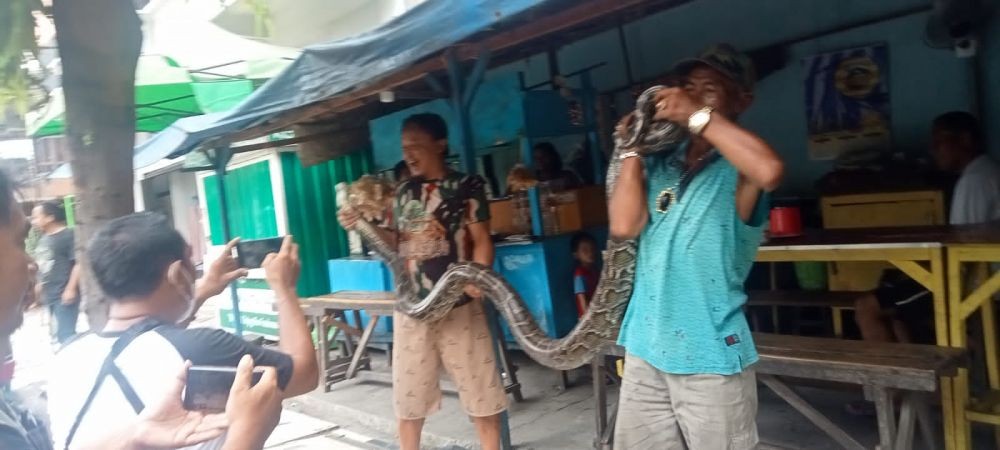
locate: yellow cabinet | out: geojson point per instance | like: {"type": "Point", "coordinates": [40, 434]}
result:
{"type": "Point", "coordinates": [891, 209]}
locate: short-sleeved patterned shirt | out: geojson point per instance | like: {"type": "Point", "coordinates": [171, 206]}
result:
{"type": "Point", "coordinates": [431, 217]}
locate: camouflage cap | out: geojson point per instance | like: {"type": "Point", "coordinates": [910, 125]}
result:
{"type": "Point", "coordinates": [725, 59]}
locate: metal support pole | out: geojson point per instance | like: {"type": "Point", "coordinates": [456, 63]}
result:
{"type": "Point", "coordinates": [463, 91]}
{"type": "Point", "coordinates": [590, 123]}
{"type": "Point", "coordinates": [221, 159]}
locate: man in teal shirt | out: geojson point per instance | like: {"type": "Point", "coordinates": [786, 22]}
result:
{"type": "Point", "coordinates": [698, 213]}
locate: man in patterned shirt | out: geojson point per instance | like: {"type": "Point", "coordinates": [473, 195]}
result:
{"type": "Point", "coordinates": [441, 216]}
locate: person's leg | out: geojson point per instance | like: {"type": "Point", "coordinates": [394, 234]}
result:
{"type": "Point", "coordinates": [869, 316]}
{"type": "Point", "coordinates": [409, 433]}
{"type": "Point", "coordinates": [415, 373]}
{"type": "Point", "coordinates": [646, 418]}
{"type": "Point", "coordinates": [716, 412]}
{"type": "Point", "coordinates": [467, 355]}
{"type": "Point", "coordinates": [66, 321]}
{"type": "Point", "coordinates": [488, 429]}
{"type": "Point", "coordinates": [901, 331]}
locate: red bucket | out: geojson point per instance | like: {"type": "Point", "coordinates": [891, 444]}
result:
{"type": "Point", "coordinates": [786, 221]}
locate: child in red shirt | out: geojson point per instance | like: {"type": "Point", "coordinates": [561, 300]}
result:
{"type": "Point", "coordinates": [586, 274]}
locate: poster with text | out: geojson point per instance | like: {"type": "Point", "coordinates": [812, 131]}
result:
{"type": "Point", "coordinates": [847, 101]}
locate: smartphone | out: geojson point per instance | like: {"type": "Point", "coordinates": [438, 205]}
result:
{"type": "Point", "coordinates": [251, 254]}
{"type": "Point", "coordinates": [208, 387]}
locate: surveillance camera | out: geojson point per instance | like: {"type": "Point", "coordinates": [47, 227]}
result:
{"type": "Point", "coordinates": [965, 47]}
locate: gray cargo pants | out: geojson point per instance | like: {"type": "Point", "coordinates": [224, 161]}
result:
{"type": "Point", "coordinates": [661, 411]}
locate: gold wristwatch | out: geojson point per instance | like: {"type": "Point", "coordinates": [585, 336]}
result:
{"type": "Point", "coordinates": [699, 120]}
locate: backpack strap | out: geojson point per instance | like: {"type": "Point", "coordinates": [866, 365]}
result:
{"type": "Point", "coordinates": [110, 368]}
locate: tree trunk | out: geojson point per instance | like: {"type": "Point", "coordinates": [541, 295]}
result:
{"type": "Point", "coordinates": [99, 43]}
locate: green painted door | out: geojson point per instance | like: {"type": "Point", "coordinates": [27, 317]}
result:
{"type": "Point", "coordinates": [250, 200]}
{"type": "Point", "coordinates": [312, 213]}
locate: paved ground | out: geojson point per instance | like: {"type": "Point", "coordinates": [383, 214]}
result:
{"type": "Point", "coordinates": [553, 419]}
{"type": "Point", "coordinates": [358, 415]}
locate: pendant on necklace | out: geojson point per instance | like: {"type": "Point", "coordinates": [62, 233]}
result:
{"type": "Point", "coordinates": [665, 200]}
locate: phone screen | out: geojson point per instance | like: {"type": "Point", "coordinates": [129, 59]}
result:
{"type": "Point", "coordinates": [251, 254]}
{"type": "Point", "coordinates": [208, 387]}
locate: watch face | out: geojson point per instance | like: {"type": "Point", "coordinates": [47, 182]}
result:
{"type": "Point", "coordinates": [699, 118]}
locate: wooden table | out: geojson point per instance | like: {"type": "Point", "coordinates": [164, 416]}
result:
{"type": "Point", "coordinates": [973, 290]}
{"type": "Point", "coordinates": [327, 311]}
{"type": "Point", "coordinates": [918, 252]}
{"type": "Point", "coordinates": [378, 304]}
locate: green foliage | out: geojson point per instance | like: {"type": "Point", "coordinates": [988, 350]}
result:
{"type": "Point", "coordinates": [17, 41]}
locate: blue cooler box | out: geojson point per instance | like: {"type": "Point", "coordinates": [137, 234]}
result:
{"type": "Point", "coordinates": [359, 273]}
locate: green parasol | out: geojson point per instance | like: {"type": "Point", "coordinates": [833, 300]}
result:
{"type": "Point", "coordinates": [165, 92]}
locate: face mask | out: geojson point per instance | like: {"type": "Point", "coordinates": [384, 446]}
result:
{"type": "Point", "coordinates": [185, 290]}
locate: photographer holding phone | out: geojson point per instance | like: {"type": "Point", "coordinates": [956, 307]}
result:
{"type": "Point", "coordinates": [251, 414]}
{"type": "Point", "coordinates": [144, 265]}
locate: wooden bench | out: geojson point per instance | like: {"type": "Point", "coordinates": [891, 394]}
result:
{"type": "Point", "coordinates": [884, 370]}
{"type": "Point", "coordinates": [836, 301]}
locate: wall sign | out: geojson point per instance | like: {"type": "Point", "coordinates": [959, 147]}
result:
{"type": "Point", "coordinates": [847, 101]}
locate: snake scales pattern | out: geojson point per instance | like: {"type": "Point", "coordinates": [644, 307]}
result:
{"type": "Point", "coordinates": [598, 327]}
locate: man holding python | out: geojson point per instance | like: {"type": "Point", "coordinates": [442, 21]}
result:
{"type": "Point", "coordinates": [698, 213]}
{"type": "Point", "coordinates": [440, 217]}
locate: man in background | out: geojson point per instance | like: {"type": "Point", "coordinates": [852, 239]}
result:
{"type": "Point", "coordinates": [900, 309]}
{"type": "Point", "coordinates": [58, 275]}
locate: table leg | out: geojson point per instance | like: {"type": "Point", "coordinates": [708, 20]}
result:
{"type": "Point", "coordinates": [600, 396]}
{"type": "Point", "coordinates": [503, 364]}
{"type": "Point", "coordinates": [500, 349]}
{"type": "Point", "coordinates": [323, 351]}
{"type": "Point", "coordinates": [952, 414]}
{"type": "Point", "coordinates": [348, 342]}
{"type": "Point", "coordinates": [885, 410]}
{"type": "Point", "coordinates": [838, 322]}
{"type": "Point", "coordinates": [907, 422]}
{"type": "Point", "coordinates": [926, 423]}
{"type": "Point", "coordinates": [958, 434]}
{"type": "Point", "coordinates": [362, 348]}
{"type": "Point", "coordinates": [608, 439]}
{"type": "Point", "coordinates": [815, 416]}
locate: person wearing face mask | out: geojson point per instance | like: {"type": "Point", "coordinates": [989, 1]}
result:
{"type": "Point", "coordinates": [698, 213]}
{"type": "Point", "coordinates": [144, 266]}
{"type": "Point", "coordinates": [252, 411]}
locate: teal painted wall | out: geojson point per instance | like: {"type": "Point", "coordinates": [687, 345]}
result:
{"type": "Point", "coordinates": [250, 202]}
{"type": "Point", "coordinates": [923, 81]}
{"type": "Point", "coordinates": [498, 100]}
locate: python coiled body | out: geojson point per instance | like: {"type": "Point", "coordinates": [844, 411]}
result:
{"type": "Point", "coordinates": [599, 326]}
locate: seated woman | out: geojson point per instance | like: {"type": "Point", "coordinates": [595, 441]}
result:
{"type": "Point", "coordinates": [549, 168]}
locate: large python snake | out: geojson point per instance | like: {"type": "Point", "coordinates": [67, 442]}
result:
{"type": "Point", "coordinates": [597, 328]}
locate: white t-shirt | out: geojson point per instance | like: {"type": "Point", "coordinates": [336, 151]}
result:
{"type": "Point", "coordinates": [150, 364]}
{"type": "Point", "coordinates": [977, 193]}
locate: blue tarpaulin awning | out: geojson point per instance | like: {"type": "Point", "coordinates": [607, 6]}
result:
{"type": "Point", "coordinates": [326, 70]}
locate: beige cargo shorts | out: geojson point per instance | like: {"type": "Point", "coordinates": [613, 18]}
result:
{"type": "Point", "coordinates": [460, 344]}
{"type": "Point", "coordinates": [660, 411]}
